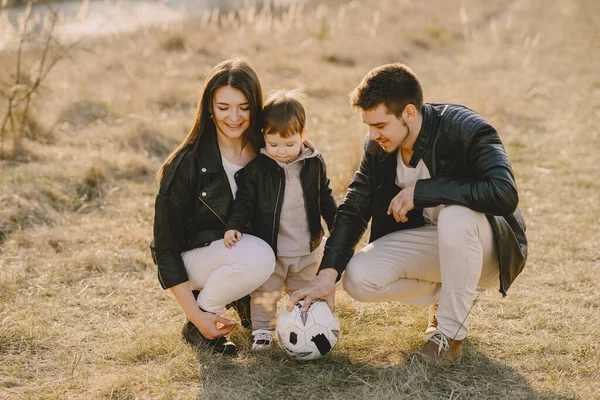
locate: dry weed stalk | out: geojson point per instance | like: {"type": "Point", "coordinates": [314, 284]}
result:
{"type": "Point", "coordinates": [20, 94]}
{"type": "Point", "coordinates": [268, 17]}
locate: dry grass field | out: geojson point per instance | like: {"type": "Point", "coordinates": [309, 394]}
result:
{"type": "Point", "coordinates": [82, 315]}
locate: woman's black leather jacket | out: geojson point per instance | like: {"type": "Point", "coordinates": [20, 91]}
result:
{"type": "Point", "coordinates": [191, 207]}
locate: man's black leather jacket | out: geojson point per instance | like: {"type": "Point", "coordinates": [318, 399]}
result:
{"type": "Point", "coordinates": [468, 167]}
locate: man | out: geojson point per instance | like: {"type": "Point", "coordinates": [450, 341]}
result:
{"type": "Point", "coordinates": [438, 185]}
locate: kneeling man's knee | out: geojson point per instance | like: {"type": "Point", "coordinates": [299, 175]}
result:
{"type": "Point", "coordinates": [354, 280]}
{"type": "Point", "coordinates": [457, 221]}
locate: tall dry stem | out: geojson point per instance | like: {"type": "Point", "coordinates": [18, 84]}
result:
{"type": "Point", "coordinates": [22, 92]}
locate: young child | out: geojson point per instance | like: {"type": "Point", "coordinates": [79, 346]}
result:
{"type": "Point", "coordinates": [282, 194]}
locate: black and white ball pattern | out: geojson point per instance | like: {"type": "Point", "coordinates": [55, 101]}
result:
{"type": "Point", "coordinates": [308, 335]}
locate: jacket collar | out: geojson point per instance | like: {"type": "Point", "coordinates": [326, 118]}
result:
{"type": "Point", "coordinates": [423, 144]}
{"type": "Point", "coordinates": [210, 154]}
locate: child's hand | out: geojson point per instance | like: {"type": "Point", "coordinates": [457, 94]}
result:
{"type": "Point", "coordinates": [231, 237]}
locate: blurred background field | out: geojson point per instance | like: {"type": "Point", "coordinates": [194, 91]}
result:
{"type": "Point", "coordinates": [82, 315]}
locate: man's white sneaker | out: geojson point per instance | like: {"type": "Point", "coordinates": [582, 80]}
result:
{"type": "Point", "coordinates": [262, 339]}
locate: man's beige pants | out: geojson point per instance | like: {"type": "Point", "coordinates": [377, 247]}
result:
{"type": "Point", "coordinates": [441, 264]}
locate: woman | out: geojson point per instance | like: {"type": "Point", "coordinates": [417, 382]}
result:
{"type": "Point", "coordinates": [197, 189]}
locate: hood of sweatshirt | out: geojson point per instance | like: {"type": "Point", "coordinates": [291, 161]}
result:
{"type": "Point", "coordinates": [308, 151]}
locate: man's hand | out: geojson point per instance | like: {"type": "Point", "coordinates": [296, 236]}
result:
{"type": "Point", "coordinates": [231, 237]}
{"type": "Point", "coordinates": [322, 287]}
{"type": "Point", "coordinates": [402, 203]}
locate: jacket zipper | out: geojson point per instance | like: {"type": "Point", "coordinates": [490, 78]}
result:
{"type": "Point", "coordinates": [306, 207]}
{"type": "Point", "coordinates": [162, 282]}
{"type": "Point", "coordinates": [275, 211]}
{"type": "Point", "coordinates": [211, 209]}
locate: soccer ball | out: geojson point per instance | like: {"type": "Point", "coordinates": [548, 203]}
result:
{"type": "Point", "coordinates": [308, 335]}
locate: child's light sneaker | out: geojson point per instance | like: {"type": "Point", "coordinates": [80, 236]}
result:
{"type": "Point", "coordinates": [262, 339]}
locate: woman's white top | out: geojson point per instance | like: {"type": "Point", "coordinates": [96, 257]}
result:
{"type": "Point", "coordinates": [230, 170]}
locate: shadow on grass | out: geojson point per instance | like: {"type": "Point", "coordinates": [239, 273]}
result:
{"type": "Point", "coordinates": [271, 375]}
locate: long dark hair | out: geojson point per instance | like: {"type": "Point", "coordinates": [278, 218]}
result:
{"type": "Point", "coordinates": [240, 75]}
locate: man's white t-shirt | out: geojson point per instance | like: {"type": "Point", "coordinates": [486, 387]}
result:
{"type": "Point", "coordinates": [406, 176]}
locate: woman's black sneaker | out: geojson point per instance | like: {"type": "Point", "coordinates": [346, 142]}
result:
{"type": "Point", "coordinates": [192, 336]}
{"type": "Point", "coordinates": [242, 307]}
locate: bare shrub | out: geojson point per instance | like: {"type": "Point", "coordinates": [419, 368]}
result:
{"type": "Point", "coordinates": [19, 93]}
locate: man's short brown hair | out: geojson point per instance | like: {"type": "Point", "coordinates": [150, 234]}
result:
{"type": "Point", "coordinates": [394, 85]}
{"type": "Point", "coordinates": [284, 113]}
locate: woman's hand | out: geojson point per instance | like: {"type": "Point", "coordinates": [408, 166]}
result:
{"type": "Point", "coordinates": [208, 324]}
{"type": "Point", "coordinates": [212, 326]}
{"type": "Point", "coordinates": [231, 237]}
